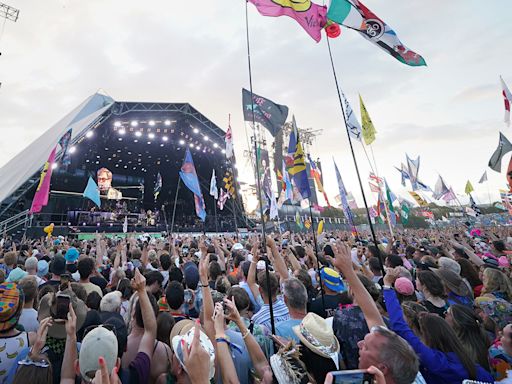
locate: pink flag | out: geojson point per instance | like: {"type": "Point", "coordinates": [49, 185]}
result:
{"type": "Point", "coordinates": [310, 16]}
{"type": "Point", "coordinates": [43, 189]}
{"type": "Point", "coordinates": [449, 196]}
{"type": "Point", "coordinates": [507, 98]}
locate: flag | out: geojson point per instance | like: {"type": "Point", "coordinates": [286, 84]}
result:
{"type": "Point", "coordinates": [504, 147]}
{"type": "Point", "coordinates": [320, 228]}
{"type": "Point", "coordinates": [296, 162]}
{"type": "Point", "coordinates": [483, 179]}
{"type": "Point", "coordinates": [440, 188]}
{"type": "Point", "coordinates": [354, 128]}
{"type": "Point", "coordinates": [474, 207]}
{"type": "Point", "coordinates": [267, 113]}
{"type": "Point", "coordinates": [427, 214]}
{"type": "Point", "coordinates": [125, 225]}
{"type": "Point", "coordinates": [372, 28]}
{"type": "Point", "coordinates": [274, 210]}
{"type": "Point", "coordinates": [413, 167]}
{"type": "Point", "coordinates": [405, 214]}
{"type": "Point", "coordinates": [229, 141]}
{"type": "Point", "coordinates": [373, 187]}
{"type": "Point", "coordinates": [422, 186]}
{"type": "Point", "coordinates": [228, 184]}
{"type": "Point", "coordinates": [351, 201]}
{"type": "Point", "coordinates": [421, 202]}
{"type": "Point", "coordinates": [317, 176]}
{"type": "Point", "coordinates": [469, 188]}
{"type": "Point", "coordinates": [224, 196]}
{"type": "Point", "coordinates": [298, 220]}
{"type": "Point", "coordinates": [213, 186]}
{"type": "Point", "coordinates": [43, 188]}
{"type": "Point", "coordinates": [403, 173]}
{"type": "Point", "coordinates": [189, 177]}
{"type": "Point", "coordinates": [344, 202]}
{"type": "Point", "coordinates": [368, 128]}
{"type": "Point", "coordinates": [158, 185]}
{"type": "Point", "coordinates": [390, 197]}
{"type": "Point", "coordinates": [307, 223]}
{"type": "Point", "coordinates": [64, 143]}
{"type": "Point", "coordinates": [450, 196]}
{"type": "Point", "coordinates": [507, 98]}
{"type": "Point", "coordinates": [92, 192]}
{"type": "Point", "coordinates": [310, 16]}
{"type": "Point", "coordinates": [286, 183]}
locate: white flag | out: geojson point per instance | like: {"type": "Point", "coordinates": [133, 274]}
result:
{"type": "Point", "coordinates": [507, 99]}
{"type": "Point", "coordinates": [229, 142]}
{"type": "Point", "coordinates": [224, 196]}
{"type": "Point", "coordinates": [354, 128]}
{"type": "Point", "coordinates": [125, 225]}
{"type": "Point", "coordinates": [213, 186]}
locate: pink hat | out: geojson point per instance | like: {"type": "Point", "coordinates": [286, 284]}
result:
{"type": "Point", "coordinates": [404, 286]}
{"type": "Point", "coordinates": [503, 261]}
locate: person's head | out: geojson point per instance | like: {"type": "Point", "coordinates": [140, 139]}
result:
{"type": "Point", "coordinates": [496, 281]}
{"type": "Point", "coordinates": [498, 246]}
{"type": "Point", "coordinates": [111, 302]}
{"type": "Point", "coordinates": [405, 290]}
{"type": "Point", "coordinates": [165, 261]}
{"type": "Point", "coordinates": [138, 313]}
{"type": "Point", "coordinates": [164, 324]}
{"type": "Point", "coordinates": [222, 284]}
{"type": "Point", "coordinates": [29, 287]}
{"type": "Point", "coordinates": [154, 281]}
{"type": "Point", "coordinates": [175, 274]}
{"type": "Point", "coordinates": [506, 339]}
{"type": "Point", "coordinates": [469, 272]}
{"type": "Point", "coordinates": [449, 264]}
{"type": "Point", "coordinates": [10, 259]}
{"type": "Point", "coordinates": [295, 295]}
{"type": "Point", "coordinates": [34, 372]}
{"type": "Point", "coordinates": [304, 278]}
{"type": "Point", "coordinates": [31, 265]}
{"type": "Point", "coordinates": [243, 271]}
{"type": "Point", "coordinates": [58, 265]}
{"type": "Point", "coordinates": [429, 283]}
{"type": "Point", "coordinates": [214, 270]}
{"type": "Point", "coordinates": [411, 311]}
{"type": "Point", "coordinates": [393, 261]}
{"type": "Point", "coordinates": [79, 290]}
{"type": "Point", "coordinates": [331, 281]}
{"type": "Point", "coordinates": [390, 353]}
{"type": "Point", "coordinates": [93, 300]}
{"type": "Point", "coordinates": [85, 267]}
{"type": "Point", "coordinates": [264, 284]}
{"type": "Point", "coordinates": [375, 266]}
{"type": "Point", "coordinates": [191, 275]}
{"type": "Point", "coordinates": [369, 286]}
{"type": "Point", "coordinates": [175, 295]}
{"type": "Point", "coordinates": [241, 298]}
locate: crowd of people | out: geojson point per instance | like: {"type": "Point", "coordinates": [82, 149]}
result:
{"type": "Point", "coordinates": [426, 306]}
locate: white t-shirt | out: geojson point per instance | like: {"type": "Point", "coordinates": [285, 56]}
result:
{"type": "Point", "coordinates": [28, 319]}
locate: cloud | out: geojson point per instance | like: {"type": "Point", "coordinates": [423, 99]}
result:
{"type": "Point", "coordinates": [477, 93]}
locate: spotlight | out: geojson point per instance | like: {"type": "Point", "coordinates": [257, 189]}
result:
{"type": "Point", "coordinates": [223, 151]}
{"type": "Point", "coordinates": [138, 133]}
{"type": "Point", "coordinates": [167, 122]}
{"type": "Point", "coordinates": [196, 130]}
{"type": "Point", "coordinates": [89, 134]}
{"type": "Point", "coordinates": [191, 145]}
{"type": "Point", "coordinates": [54, 165]}
{"type": "Point", "coordinates": [149, 142]}
{"type": "Point", "coordinates": [120, 138]}
{"type": "Point", "coordinates": [215, 145]}
{"type": "Point", "coordinates": [134, 123]}
{"type": "Point", "coordinates": [162, 144]}
{"type": "Point", "coordinates": [151, 135]}
{"type": "Point", "coordinates": [117, 124]}
{"type": "Point", "coordinates": [72, 150]}
{"type": "Point", "coordinates": [122, 131]}
{"type": "Point", "coordinates": [165, 138]}
{"type": "Point", "coordinates": [182, 142]}
{"type": "Point", "coordinates": [198, 146]}
{"type": "Point", "coordinates": [151, 123]}
{"type": "Point", "coordinates": [206, 138]}
{"type": "Point", "coordinates": [135, 141]}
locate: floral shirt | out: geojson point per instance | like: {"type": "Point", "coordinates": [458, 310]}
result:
{"type": "Point", "coordinates": [260, 333]}
{"type": "Point", "coordinates": [499, 360]}
{"type": "Point", "coordinates": [349, 326]}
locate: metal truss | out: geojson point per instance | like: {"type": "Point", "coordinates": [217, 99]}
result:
{"type": "Point", "coordinates": [9, 12]}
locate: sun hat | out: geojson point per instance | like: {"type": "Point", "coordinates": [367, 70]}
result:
{"type": "Point", "coordinates": [181, 328]}
{"type": "Point", "coordinates": [98, 342]}
{"type": "Point", "coordinates": [42, 268]}
{"type": "Point", "coordinates": [316, 335]}
{"type": "Point", "coordinates": [188, 337]}
{"type": "Point", "coordinates": [453, 282]}
{"type": "Point", "coordinates": [11, 305]}
{"type": "Point", "coordinates": [72, 255]}
{"type": "Point", "coordinates": [237, 247]}
{"type": "Point", "coordinates": [404, 286]}
{"type": "Point", "coordinates": [450, 264]}
{"type": "Point", "coordinates": [58, 265]}
{"type": "Point", "coordinates": [332, 279]}
{"type": "Point", "coordinates": [48, 302]}
{"type": "Point", "coordinates": [16, 275]}
{"type": "Point", "coordinates": [287, 366]}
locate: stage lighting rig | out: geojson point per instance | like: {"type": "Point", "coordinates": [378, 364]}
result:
{"type": "Point", "coordinates": [8, 12]}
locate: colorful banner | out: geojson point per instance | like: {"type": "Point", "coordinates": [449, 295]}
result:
{"type": "Point", "coordinates": [368, 128]}
{"type": "Point", "coordinates": [296, 163]}
{"type": "Point", "coordinates": [43, 188]}
{"type": "Point", "coordinates": [421, 202]}
{"type": "Point", "coordinates": [344, 202]}
{"type": "Point", "coordinates": [189, 177]}
{"type": "Point", "coordinates": [264, 111]}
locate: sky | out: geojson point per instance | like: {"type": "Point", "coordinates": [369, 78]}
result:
{"type": "Point", "coordinates": [450, 113]}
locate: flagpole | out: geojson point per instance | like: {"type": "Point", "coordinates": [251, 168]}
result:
{"type": "Point", "coordinates": [379, 255]}
{"type": "Point", "coordinates": [258, 182]}
{"type": "Point", "coordinates": [175, 202]}
{"type": "Point", "coordinates": [215, 212]}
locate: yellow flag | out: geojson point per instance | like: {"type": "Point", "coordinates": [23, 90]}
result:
{"type": "Point", "coordinates": [421, 202]}
{"type": "Point", "coordinates": [307, 223]}
{"type": "Point", "coordinates": [368, 128]}
{"type": "Point", "coordinates": [320, 227]}
{"type": "Point", "coordinates": [469, 188]}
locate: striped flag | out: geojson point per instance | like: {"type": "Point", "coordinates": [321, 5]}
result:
{"type": "Point", "coordinates": [474, 207]}
{"type": "Point", "coordinates": [296, 163]}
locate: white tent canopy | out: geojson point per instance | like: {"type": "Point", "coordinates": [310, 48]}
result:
{"type": "Point", "coordinates": [30, 160]}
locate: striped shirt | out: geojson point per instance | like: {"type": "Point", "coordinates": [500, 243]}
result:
{"type": "Point", "coordinates": [263, 315]}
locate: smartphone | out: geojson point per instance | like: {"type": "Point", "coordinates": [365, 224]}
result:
{"type": "Point", "coordinates": [356, 376]}
{"type": "Point", "coordinates": [62, 309]}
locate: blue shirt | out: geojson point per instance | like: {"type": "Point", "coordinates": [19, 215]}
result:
{"type": "Point", "coordinates": [285, 329]}
{"type": "Point", "coordinates": [255, 304]}
{"type": "Point", "coordinates": [280, 314]}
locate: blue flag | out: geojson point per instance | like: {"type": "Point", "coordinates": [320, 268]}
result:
{"type": "Point", "coordinates": [189, 177]}
{"type": "Point", "coordinates": [296, 163]}
{"type": "Point", "coordinates": [344, 201]}
{"type": "Point", "coordinates": [92, 192]}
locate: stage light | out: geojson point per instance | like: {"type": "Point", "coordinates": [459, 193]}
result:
{"type": "Point", "coordinates": [122, 131]}
{"type": "Point", "coordinates": [198, 146]}
{"type": "Point", "coordinates": [54, 165]}
{"type": "Point", "coordinates": [84, 224]}
{"type": "Point", "coordinates": [167, 122]}
{"type": "Point", "coordinates": [72, 150]}
{"type": "Point", "coordinates": [165, 138]}
{"type": "Point", "coordinates": [196, 130]}
{"type": "Point", "coordinates": [162, 144]}
{"type": "Point", "coordinates": [138, 133]}
{"type": "Point", "coordinates": [223, 151]}
{"type": "Point", "coordinates": [135, 141]}
{"type": "Point", "coordinates": [151, 123]}
{"type": "Point", "coordinates": [120, 139]}
{"type": "Point", "coordinates": [151, 135]}
{"type": "Point", "coordinates": [117, 124]}
{"type": "Point", "coordinates": [89, 134]}
{"type": "Point", "coordinates": [206, 138]}
{"type": "Point", "coordinates": [182, 142]}
{"type": "Point", "coordinates": [191, 145]}
{"type": "Point", "coordinates": [215, 145]}
{"type": "Point", "coordinates": [149, 142]}
{"type": "Point", "coordinates": [134, 123]}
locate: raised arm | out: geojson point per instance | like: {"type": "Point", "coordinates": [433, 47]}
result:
{"type": "Point", "coordinates": [67, 373]}
{"type": "Point", "coordinates": [222, 349]}
{"type": "Point", "coordinates": [147, 343]}
{"type": "Point", "coordinates": [279, 264]}
{"type": "Point", "coordinates": [251, 276]}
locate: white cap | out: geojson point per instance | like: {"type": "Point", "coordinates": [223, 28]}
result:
{"type": "Point", "coordinates": [100, 342]}
{"type": "Point", "coordinates": [203, 340]}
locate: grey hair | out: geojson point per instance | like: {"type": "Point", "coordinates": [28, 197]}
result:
{"type": "Point", "coordinates": [398, 356]}
{"type": "Point", "coordinates": [295, 293]}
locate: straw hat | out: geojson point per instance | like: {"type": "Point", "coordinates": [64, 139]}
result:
{"type": "Point", "coordinates": [453, 282]}
{"type": "Point", "coordinates": [316, 335]}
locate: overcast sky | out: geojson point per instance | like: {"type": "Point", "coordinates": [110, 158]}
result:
{"type": "Point", "coordinates": [450, 112]}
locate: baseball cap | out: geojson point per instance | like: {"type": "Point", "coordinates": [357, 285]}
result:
{"type": "Point", "coordinates": [404, 286]}
{"type": "Point", "coordinates": [42, 268]}
{"type": "Point", "coordinates": [188, 338]}
{"type": "Point", "coordinates": [98, 342]}
{"type": "Point", "coordinates": [332, 279]}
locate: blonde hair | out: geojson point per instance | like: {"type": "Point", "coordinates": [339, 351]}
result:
{"type": "Point", "coordinates": [497, 281]}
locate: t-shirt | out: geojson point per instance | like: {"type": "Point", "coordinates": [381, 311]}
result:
{"type": "Point", "coordinates": [285, 329]}
{"type": "Point", "coordinates": [263, 315]}
{"type": "Point", "coordinates": [28, 319]}
{"type": "Point", "coordinates": [54, 283]}
{"type": "Point", "coordinates": [99, 281]}
{"type": "Point", "coordinates": [90, 287]}
{"type": "Point", "coordinates": [349, 326]}
{"type": "Point", "coordinates": [240, 354]}
{"type": "Point", "coordinates": [441, 311]}
{"type": "Point", "coordinates": [332, 303]}
{"type": "Point", "coordinates": [138, 370]}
